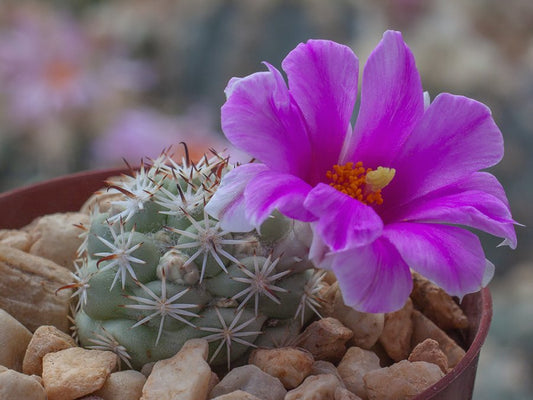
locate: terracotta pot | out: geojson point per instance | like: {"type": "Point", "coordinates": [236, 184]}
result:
{"type": "Point", "coordinates": [20, 206]}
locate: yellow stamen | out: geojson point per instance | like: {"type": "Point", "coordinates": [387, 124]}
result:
{"type": "Point", "coordinates": [378, 179]}
{"type": "Point", "coordinates": [363, 184]}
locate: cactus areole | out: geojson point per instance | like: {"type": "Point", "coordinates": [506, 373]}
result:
{"type": "Point", "coordinates": [156, 270]}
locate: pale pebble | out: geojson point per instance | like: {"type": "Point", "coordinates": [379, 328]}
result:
{"type": "Point", "coordinates": [250, 379]}
{"type": "Point", "coordinates": [325, 367]}
{"type": "Point", "coordinates": [15, 238]}
{"type": "Point", "coordinates": [402, 380]}
{"type": "Point", "coordinates": [146, 369]}
{"type": "Point", "coordinates": [344, 394]}
{"type": "Point", "coordinates": [315, 387]}
{"type": "Point", "coordinates": [429, 351]}
{"type": "Point", "coordinates": [14, 339]}
{"type": "Point", "coordinates": [46, 339]}
{"type": "Point", "coordinates": [325, 339]}
{"type": "Point", "coordinates": [237, 395]}
{"type": "Point", "coordinates": [184, 376]}
{"type": "Point", "coordinates": [290, 365]}
{"type": "Point", "coordinates": [15, 385]}
{"type": "Point", "coordinates": [56, 237]}
{"type": "Point", "coordinates": [213, 381]}
{"type": "Point", "coordinates": [122, 385]}
{"type": "Point", "coordinates": [355, 364]}
{"type": "Point", "coordinates": [424, 328]}
{"type": "Point", "coordinates": [397, 332]}
{"type": "Point", "coordinates": [437, 305]}
{"type": "Point", "coordinates": [29, 289]}
{"type": "Point", "coordinates": [366, 327]}
{"type": "Point", "coordinates": [76, 372]}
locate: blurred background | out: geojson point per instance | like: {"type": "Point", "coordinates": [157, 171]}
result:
{"type": "Point", "coordinates": [85, 84]}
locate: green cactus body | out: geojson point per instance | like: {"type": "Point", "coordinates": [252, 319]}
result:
{"type": "Point", "coordinates": [157, 271]}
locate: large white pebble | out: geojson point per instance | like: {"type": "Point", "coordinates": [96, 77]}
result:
{"type": "Point", "coordinates": [76, 372]}
{"type": "Point", "coordinates": [402, 380]}
{"type": "Point", "coordinates": [122, 385]}
{"type": "Point", "coordinates": [14, 385]}
{"type": "Point", "coordinates": [184, 376]}
{"type": "Point", "coordinates": [14, 339]}
{"type": "Point", "coordinates": [250, 379]}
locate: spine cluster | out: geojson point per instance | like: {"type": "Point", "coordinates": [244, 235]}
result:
{"type": "Point", "coordinates": [155, 270]}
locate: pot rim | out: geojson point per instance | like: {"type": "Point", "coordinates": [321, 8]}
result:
{"type": "Point", "coordinates": [471, 355]}
{"type": "Point", "coordinates": [28, 195]}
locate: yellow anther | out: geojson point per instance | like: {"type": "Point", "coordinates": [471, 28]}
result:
{"type": "Point", "coordinates": [363, 184]}
{"type": "Point", "coordinates": [378, 179]}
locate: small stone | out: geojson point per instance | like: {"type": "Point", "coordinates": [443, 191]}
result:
{"type": "Point", "coordinates": [14, 339]}
{"type": "Point", "coordinates": [146, 369]}
{"type": "Point", "coordinates": [437, 305]}
{"type": "Point", "coordinates": [315, 387]}
{"type": "Point", "coordinates": [429, 351]}
{"type": "Point", "coordinates": [345, 394]}
{"type": "Point", "coordinates": [46, 339]}
{"type": "Point", "coordinates": [186, 375]}
{"type": "Point", "coordinates": [325, 367]}
{"type": "Point", "coordinates": [325, 339]}
{"type": "Point", "coordinates": [250, 379]}
{"type": "Point", "coordinates": [76, 372]}
{"type": "Point", "coordinates": [397, 332]}
{"type": "Point", "coordinates": [14, 385]}
{"type": "Point", "coordinates": [424, 328]}
{"type": "Point", "coordinates": [384, 359]}
{"type": "Point", "coordinates": [402, 380]}
{"type": "Point", "coordinates": [355, 364]}
{"type": "Point", "coordinates": [290, 365]}
{"type": "Point", "coordinates": [366, 327]}
{"type": "Point", "coordinates": [237, 395]}
{"type": "Point", "coordinates": [122, 385]}
{"type": "Point", "coordinates": [28, 286]}
{"type": "Point", "coordinates": [213, 381]}
{"type": "Point", "coordinates": [56, 237]}
{"type": "Point", "coordinates": [15, 238]}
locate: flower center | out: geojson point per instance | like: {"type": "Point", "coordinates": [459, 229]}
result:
{"type": "Point", "coordinates": [363, 184]}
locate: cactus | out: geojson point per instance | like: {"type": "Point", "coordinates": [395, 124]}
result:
{"type": "Point", "coordinates": [156, 270]}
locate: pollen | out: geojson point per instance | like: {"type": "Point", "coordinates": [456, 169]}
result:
{"type": "Point", "coordinates": [363, 184]}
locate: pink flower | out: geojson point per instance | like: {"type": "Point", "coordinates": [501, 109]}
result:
{"type": "Point", "coordinates": [385, 197]}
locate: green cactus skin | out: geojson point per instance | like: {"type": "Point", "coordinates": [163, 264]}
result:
{"type": "Point", "coordinates": [156, 271]}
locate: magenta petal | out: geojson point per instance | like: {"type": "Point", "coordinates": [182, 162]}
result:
{"type": "Point", "coordinates": [472, 208]}
{"type": "Point", "coordinates": [449, 256]}
{"type": "Point", "coordinates": [373, 278]}
{"type": "Point", "coordinates": [227, 204]}
{"type": "Point", "coordinates": [483, 181]}
{"type": "Point", "coordinates": [261, 118]}
{"type": "Point", "coordinates": [392, 102]}
{"type": "Point", "coordinates": [455, 138]}
{"type": "Point", "coordinates": [318, 252]}
{"type": "Point", "coordinates": [270, 190]}
{"type": "Point", "coordinates": [322, 79]}
{"type": "Point", "coordinates": [343, 222]}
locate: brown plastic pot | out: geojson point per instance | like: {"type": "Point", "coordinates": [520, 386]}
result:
{"type": "Point", "coordinates": [20, 206]}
